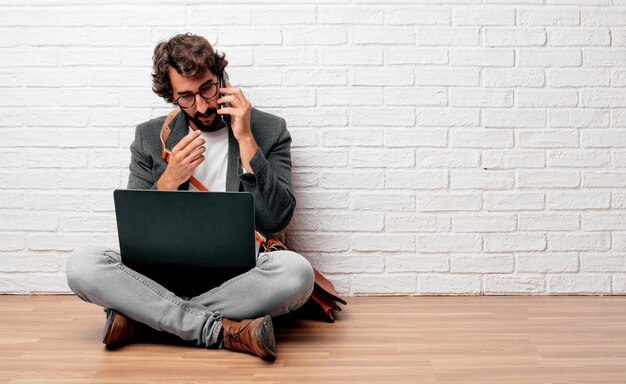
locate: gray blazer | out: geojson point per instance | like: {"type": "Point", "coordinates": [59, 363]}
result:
{"type": "Point", "coordinates": [270, 184]}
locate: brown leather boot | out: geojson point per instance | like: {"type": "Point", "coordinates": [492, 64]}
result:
{"type": "Point", "coordinates": [120, 329]}
{"type": "Point", "coordinates": [254, 336]}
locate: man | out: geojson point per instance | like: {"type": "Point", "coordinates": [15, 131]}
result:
{"type": "Point", "coordinates": [251, 155]}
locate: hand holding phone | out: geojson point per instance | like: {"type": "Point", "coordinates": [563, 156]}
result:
{"type": "Point", "coordinates": [222, 84]}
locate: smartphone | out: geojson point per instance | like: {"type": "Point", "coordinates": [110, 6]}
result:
{"type": "Point", "coordinates": [225, 117]}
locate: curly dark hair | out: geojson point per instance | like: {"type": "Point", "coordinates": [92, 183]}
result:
{"type": "Point", "coordinates": [189, 55]}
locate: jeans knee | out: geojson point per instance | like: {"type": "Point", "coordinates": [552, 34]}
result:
{"type": "Point", "coordinates": [81, 268]}
{"type": "Point", "coordinates": [299, 276]}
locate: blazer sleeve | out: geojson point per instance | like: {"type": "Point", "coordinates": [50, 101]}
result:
{"type": "Point", "coordinates": [270, 183]}
{"type": "Point", "coordinates": [141, 176]}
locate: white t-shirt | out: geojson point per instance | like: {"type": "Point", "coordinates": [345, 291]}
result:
{"type": "Point", "coordinates": [212, 171]}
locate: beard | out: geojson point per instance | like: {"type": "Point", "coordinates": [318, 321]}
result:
{"type": "Point", "coordinates": [215, 125]}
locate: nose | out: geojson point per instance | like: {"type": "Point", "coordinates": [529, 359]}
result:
{"type": "Point", "coordinates": [201, 104]}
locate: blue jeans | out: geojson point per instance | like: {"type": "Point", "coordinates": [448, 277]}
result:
{"type": "Point", "coordinates": [281, 282]}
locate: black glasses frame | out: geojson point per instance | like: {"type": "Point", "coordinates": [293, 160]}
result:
{"type": "Point", "coordinates": [214, 88]}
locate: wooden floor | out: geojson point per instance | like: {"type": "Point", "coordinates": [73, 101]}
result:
{"type": "Point", "coordinates": [523, 339]}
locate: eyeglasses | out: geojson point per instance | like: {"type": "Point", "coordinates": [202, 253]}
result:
{"type": "Point", "coordinates": [188, 100]}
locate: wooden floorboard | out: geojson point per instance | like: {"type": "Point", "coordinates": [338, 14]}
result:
{"type": "Point", "coordinates": [476, 339]}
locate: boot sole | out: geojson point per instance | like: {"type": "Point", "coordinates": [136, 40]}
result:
{"type": "Point", "coordinates": [267, 338]}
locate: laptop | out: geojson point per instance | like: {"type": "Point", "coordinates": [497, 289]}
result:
{"type": "Point", "coordinates": [178, 237]}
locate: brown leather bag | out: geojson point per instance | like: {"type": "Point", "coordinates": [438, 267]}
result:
{"type": "Point", "coordinates": [324, 295]}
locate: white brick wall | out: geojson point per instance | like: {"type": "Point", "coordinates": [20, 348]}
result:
{"type": "Point", "coordinates": [440, 147]}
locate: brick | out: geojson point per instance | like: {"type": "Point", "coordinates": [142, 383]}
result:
{"type": "Point", "coordinates": [481, 138]}
{"type": "Point", "coordinates": [327, 221]}
{"type": "Point", "coordinates": [502, 263]}
{"type": "Point", "coordinates": [503, 78]}
{"type": "Point", "coordinates": [415, 137]}
{"type": "Point", "coordinates": [387, 202]}
{"type": "Point", "coordinates": [89, 56]}
{"type": "Point", "coordinates": [618, 78]}
{"type": "Point", "coordinates": [319, 242]}
{"type": "Point", "coordinates": [83, 222]}
{"type": "Point", "coordinates": [360, 96]}
{"type": "Point", "coordinates": [249, 36]}
{"type": "Point", "coordinates": [383, 284]}
{"type": "Point", "coordinates": [381, 158]}
{"type": "Point", "coordinates": [548, 179]}
{"type": "Point", "coordinates": [603, 17]}
{"type": "Point", "coordinates": [436, 243]}
{"type": "Point", "coordinates": [155, 16]}
{"type": "Point", "coordinates": [299, 15]}
{"type": "Point", "coordinates": [578, 200]}
{"type": "Point", "coordinates": [382, 77]}
{"type": "Point", "coordinates": [513, 159]}
{"type": "Point", "coordinates": [303, 158]}
{"type": "Point", "coordinates": [98, 17]}
{"type": "Point", "coordinates": [416, 179]}
{"type": "Point", "coordinates": [579, 283]}
{"type": "Point", "coordinates": [513, 37]}
{"type": "Point", "coordinates": [518, 284]}
{"type": "Point", "coordinates": [547, 98]}
{"type": "Point", "coordinates": [353, 179]}
{"type": "Point", "coordinates": [447, 77]}
{"type": "Point", "coordinates": [29, 262]}
{"type": "Point", "coordinates": [402, 117]}
{"type": "Point", "coordinates": [604, 221]}
{"type": "Point", "coordinates": [362, 137]}
{"type": "Point", "coordinates": [348, 263]}
{"type": "Point", "coordinates": [578, 78]}
{"type": "Point", "coordinates": [577, 158]}
{"type": "Point", "coordinates": [417, 263]}
{"type": "Point", "coordinates": [448, 117]}
{"type": "Point", "coordinates": [410, 55]}
{"type": "Point", "coordinates": [314, 35]}
{"type": "Point", "coordinates": [484, 223]}
{"type": "Point", "coordinates": [487, 57]}
{"type": "Point", "coordinates": [449, 202]}
{"type": "Point", "coordinates": [383, 242]}
{"type": "Point", "coordinates": [29, 17]}
{"type": "Point", "coordinates": [578, 118]}
{"type": "Point", "coordinates": [578, 241]}
{"type": "Point", "coordinates": [28, 221]}
{"type": "Point", "coordinates": [548, 16]}
{"type": "Point", "coordinates": [514, 201]}
{"type": "Point", "coordinates": [472, 97]}
{"type": "Point", "coordinates": [220, 15]}
{"type": "Point", "coordinates": [56, 158]}
{"type": "Point", "coordinates": [483, 179]}
{"type": "Point", "coordinates": [602, 263]}
{"type": "Point", "coordinates": [350, 15]}
{"type": "Point", "coordinates": [448, 36]}
{"type": "Point", "coordinates": [346, 56]}
{"type": "Point", "coordinates": [553, 138]}
{"type": "Point", "coordinates": [55, 241]}
{"type": "Point", "coordinates": [418, 16]}
{"type": "Point", "coordinates": [602, 98]}
{"type": "Point", "coordinates": [546, 262]}
{"type": "Point", "coordinates": [418, 96]}
{"type": "Point", "coordinates": [514, 242]}
{"type": "Point", "coordinates": [11, 242]}
{"type": "Point", "coordinates": [294, 56]}
{"type": "Point", "coordinates": [416, 223]}
{"type": "Point", "coordinates": [448, 159]}
{"type": "Point", "coordinates": [618, 199]}
{"type": "Point", "coordinates": [310, 117]}
{"type": "Point", "coordinates": [545, 57]}
{"type": "Point", "coordinates": [285, 97]}
{"type": "Point", "coordinates": [315, 77]}
{"type": "Point", "coordinates": [449, 284]}
{"type": "Point", "coordinates": [578, 36]}
{"type": "Point", "coordinates": [483, 15]}
{"type": "Point", "coordinates": [603, 57]}
{"type": "Point", "coordinates": [604, 179]}
{"type": "Point", "coordinates": [383, 35]}
{"type": "Point", "coordinates": [499, 118]}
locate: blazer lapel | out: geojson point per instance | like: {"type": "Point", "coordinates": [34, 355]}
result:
{"type": "Point", "coordinates": [179, 128]}
{"type": "Point", "coordinates": [232, 172]}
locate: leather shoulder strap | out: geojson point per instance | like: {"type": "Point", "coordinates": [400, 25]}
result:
{"type": "Point", "coordinates": [165, 133]}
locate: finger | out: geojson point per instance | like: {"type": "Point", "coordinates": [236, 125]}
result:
{"type": "Point", "coordinates": [184, 152]}
{"type": "Point", "coordinates": [186, 140]}
{"type": "Point", "coordinates": [197, 161]}
{"type": "Point", "coordinates": [229, 88]}
{"type": "Point", "coordinates": [226, 111]}
{"type": "Point", "coordinates": [195, 154]}
{"type": "Point", "coordinates": [227, 99]}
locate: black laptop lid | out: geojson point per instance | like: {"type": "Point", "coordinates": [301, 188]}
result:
{"type": "Point", "coordinates": [186, 228]}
